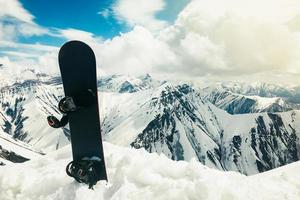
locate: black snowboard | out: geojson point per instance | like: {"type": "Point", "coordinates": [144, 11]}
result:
{"type": "Point", "coordinates": [78, 71]}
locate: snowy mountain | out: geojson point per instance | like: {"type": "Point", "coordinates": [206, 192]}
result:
{"type": "Point", "coordinates": [136, 174]}
{"type": "Point", "coordinates": [174, 120]}
{"type": "Point", "coordinates": [254, 89]}
{"type": "Point", "coordinates": [240, 98]}
{"type": "Point", "coordinates": [126, 84]}
{"type": "Point", "coordinates": [24, 108]}
{"type": "Point", "coordinates": [235, 103]}
{"type": "Point", "coordinates": [163, 117]}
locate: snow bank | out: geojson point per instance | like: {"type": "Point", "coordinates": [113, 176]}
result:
{"type": "Point", "coordinates": [136, 174]}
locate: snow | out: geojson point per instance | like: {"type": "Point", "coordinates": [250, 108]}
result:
{"type": "Point", "coordinates": [136, 174]}
{"type": "Point", "coordinates": [127, 115]}
{"type": "Point", "coordinates": [21, 148]}
{"type": "Point", "coordinates": [32, 104]}
{"type": "Point", "coordinates": [264, 102]}
{"type": "Point", "coordinates": [124, 116]}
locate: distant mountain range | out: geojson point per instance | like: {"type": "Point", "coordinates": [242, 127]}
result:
{"type": "Point", "coordinates": [248, 128]}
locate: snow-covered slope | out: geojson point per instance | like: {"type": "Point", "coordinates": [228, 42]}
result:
{"type": "Point", "coordinates": [136, 174]}
{"type": "Point", "coordinates": [239, 99]}
{"type": "Point", "coordinates": [15, 151]}
{"type": "Point", "coordinates": [126, 84]}
{"type": "Point", "coordinates": [173, 119]}
{"type": "Point", "coordinates": [24, 108]}
{"type": "Point", "coordinates": [161, 117]}
{"type": "Point", "coordinates": [256, 88]}
{"type": "Point", "coordinates": [255, 143]}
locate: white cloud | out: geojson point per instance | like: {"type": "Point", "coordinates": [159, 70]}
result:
{"type": "Point", "coordinates": [16, 21]}
{"type": "Point", "coordinates": [105, 13]}
{"type": "Point", "coordinates": [14, 70]}
{"type": "Point", "coordinates": [28, 30]}
{"type": "Point", "coordinates": [219, 39]}
{"type": "Point", "coordinates": [13, 8]}
{"type": "Point", "coordinates": [136, 52]}
{"type": "Point", "coordinates": [48, 63]}
{"type": "Point", "coordinates": [10, 31]}
{"type": "Point", "coordinates": [75, 34]}
{"type": "Point", "coordinates": [196, 51]}
{"type": "Point", "coordinates": [7, 32]}
{"type": "Point", "coordinates": [247, 38]}
{"type": "Point", "coordinates": [42, 58]}
{"type": "Point", "coordinates": [137, 12]}
{"type": "Point", "coordinates": [27, 47]}
{"type": "Point", "coordinates": [17, 54]}
{"type": "Point", "coordinates": [225, 39]}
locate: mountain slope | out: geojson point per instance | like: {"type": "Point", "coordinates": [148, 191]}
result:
{"type": "Point", "coordinates": [126, 84]}
{"type": "Point", "coordinates": [259, 142]}
{"type": "Point", "coordinates": [174, 120]}
{"type": "Point", "coordinates": [24, 108]}
{"type": "Point", "coordinates": [241, 103]}
{"type": "Point", "coordinates": [168, 118]}
{"type": "Point", "coordinates": [14, 151]}
{"type": "Point", "coordinates": [183, 128]}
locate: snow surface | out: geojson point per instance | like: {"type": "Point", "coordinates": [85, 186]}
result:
{"type": "Point", "coordinates": [264, 102]}
{"type": "Point", "coordinates": [18, 147]}
{"type": "Point", "coordinates": [136, 174]}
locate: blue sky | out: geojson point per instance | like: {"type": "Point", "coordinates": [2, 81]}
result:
{"type": "Point", "coordinates": [85, 15]}
{"type": "Point", "coordinates": [79, 14]}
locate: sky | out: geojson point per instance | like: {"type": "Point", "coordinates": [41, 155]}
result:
{"type": "Point", "coordinates": [238, 40]}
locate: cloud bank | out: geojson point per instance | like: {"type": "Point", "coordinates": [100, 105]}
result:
{"type": "Point", "coordinates": [220, 38]}
{"type": "Point", "coordinates": [141, 13]}
{"type": "Point", "coordinates": [16, 21]}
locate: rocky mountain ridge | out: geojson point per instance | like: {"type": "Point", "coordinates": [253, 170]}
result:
{"type": "Point", "coordinates": [164, 117]}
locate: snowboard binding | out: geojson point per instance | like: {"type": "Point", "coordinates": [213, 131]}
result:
{"type": "Point", "coordinates": [70, 104]}
{"type": "Point", "coordinates": [67, 105]}
{"type": "Point", "coordinates": [84, 170]}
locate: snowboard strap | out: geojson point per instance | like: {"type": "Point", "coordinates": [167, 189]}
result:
{"type": "Point", "coordinates": [67, 105]}
{"type": "Point", "coordinates": [72, 103]}
{"type": "Point", "coordinates": [83, 171]}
